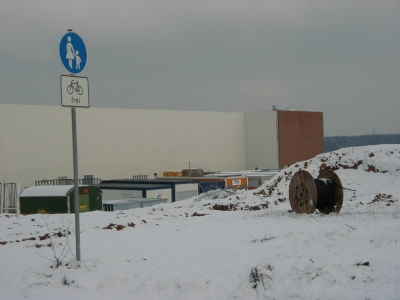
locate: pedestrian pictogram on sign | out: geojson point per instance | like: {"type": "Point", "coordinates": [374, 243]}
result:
{"type": "Point", "coordinates": [73, 52]}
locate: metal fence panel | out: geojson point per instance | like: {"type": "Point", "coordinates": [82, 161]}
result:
{"type": "Point", "coordinates": [124, 204]}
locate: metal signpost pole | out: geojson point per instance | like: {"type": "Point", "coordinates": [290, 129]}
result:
{"type": "Point", "coordinates": [76, 185]}
{"type": "Point", "coordinates": [74, 93]}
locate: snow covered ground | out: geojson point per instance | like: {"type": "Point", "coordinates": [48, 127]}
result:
{"type": "Point", "coordinates": [241, 245]}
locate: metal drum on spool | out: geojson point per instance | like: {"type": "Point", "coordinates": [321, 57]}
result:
{"type": "Point", "coordinates": [324, 193]}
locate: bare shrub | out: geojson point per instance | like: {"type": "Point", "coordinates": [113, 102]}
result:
{"type": "Point", "coordinates": [59, 240]}
{"type": "Point", "coordinates": [261, 274]}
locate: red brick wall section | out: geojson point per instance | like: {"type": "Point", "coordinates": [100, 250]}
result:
{"type": "Point", "coordinates": [301, 136]}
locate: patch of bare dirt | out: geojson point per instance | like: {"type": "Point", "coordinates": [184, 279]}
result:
{"type": "Point", "coordinates": [114, 226]}
{"type": "Point", "coordinates": [384, 198]}
{"type": "Point", "coordinates": [198, 215]}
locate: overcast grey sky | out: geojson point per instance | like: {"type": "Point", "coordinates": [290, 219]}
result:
{"type": "Point", "coordinates": [338, 57]}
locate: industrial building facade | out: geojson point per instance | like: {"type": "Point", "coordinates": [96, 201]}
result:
{"type": "Point", "coordinates": [36, 141]}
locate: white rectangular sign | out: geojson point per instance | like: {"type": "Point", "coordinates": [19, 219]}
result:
{"type": "Point", "coordinates": [74, 91]}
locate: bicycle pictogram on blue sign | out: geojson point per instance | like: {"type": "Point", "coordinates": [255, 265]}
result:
{"type": "Point", "coordinates": [73, 53]}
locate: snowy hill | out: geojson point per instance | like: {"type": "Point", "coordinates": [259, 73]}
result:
{"type": "Point", "coordinates": [225, 245]}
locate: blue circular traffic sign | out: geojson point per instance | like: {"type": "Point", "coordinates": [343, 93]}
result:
{"type": "Point", "coordinates": [73, 53]}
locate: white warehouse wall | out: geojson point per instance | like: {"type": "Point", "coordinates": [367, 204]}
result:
{"type": "Point", "coordinates": [261, 135]}
{"type": "Point", "coordinates": [36, 142]}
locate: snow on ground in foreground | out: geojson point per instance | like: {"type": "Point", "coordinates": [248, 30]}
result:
{"type": "Point", "coordinates": [205, 248]}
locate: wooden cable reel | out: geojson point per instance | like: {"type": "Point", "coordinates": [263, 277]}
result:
{"type": "Point", "coordinates": [324, 193]}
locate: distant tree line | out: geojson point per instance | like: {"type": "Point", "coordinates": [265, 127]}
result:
{"type": "Point", "coordinates": [333, 143]}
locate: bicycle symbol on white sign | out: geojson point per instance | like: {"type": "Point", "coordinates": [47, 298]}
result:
{"type": "Point", "coordinates": [74, 86]}
{"type": "Point", "coordinates": [74, 91]}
